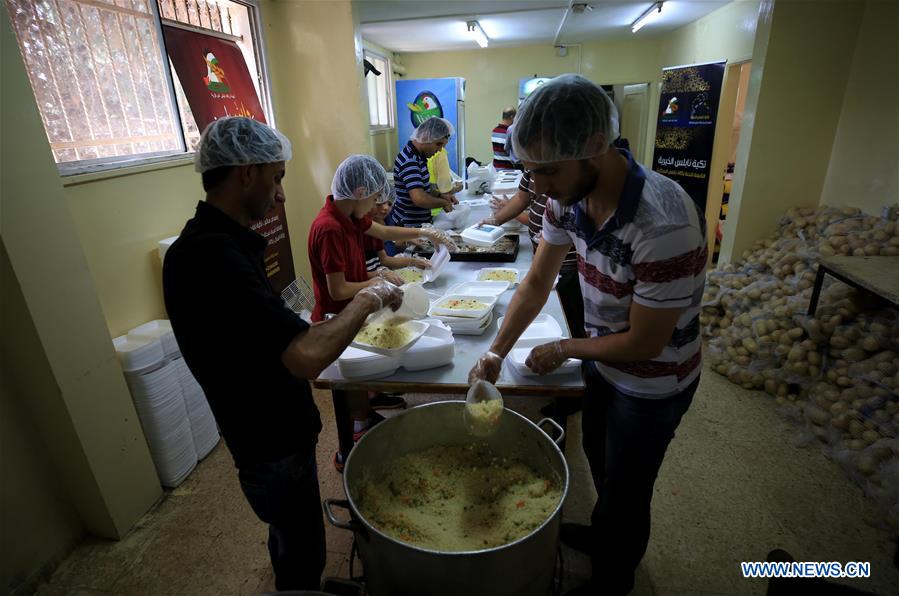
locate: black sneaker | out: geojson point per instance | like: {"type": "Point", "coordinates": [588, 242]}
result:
{"type": "Point", "coordinates": [578, 536]}
{"type": "Point", "coordinates": [387, 401]}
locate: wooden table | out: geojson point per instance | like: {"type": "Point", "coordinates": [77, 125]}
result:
{"type": "Point", "coordinates": [877, 275]}
{"type": "Point", "coordinates": [453, 378]}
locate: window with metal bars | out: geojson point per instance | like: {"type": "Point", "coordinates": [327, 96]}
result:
{"type": "Point", "coordinates": [107, 93]}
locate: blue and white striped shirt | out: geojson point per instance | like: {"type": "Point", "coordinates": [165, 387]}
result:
{"type": "Point", "coordinates": [410, 171]}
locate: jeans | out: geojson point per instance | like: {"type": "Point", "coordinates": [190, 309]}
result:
{"type": "Point", "coordinates": [284, 494]}
{"type": "Point", "coordinates": [625, 439]}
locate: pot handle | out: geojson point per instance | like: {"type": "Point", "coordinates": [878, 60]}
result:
{"type": "Point", "coordinates": [557, 440]}
{"type": "Point", "coordinates": [327, 504]}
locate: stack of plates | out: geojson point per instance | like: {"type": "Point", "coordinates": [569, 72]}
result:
{"type": "Point", "coordinates": [465, 326]}
{"type": "Point", "coordinates": [202, 423]}
{"type": "Point", "coordinates": [160, 405]}
{"type": "Point", "coordinates": [160, 329]}
{"type": "Point", "coordinates": [138, 356]}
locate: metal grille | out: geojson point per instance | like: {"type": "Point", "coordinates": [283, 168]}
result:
{"type": "Point", "coordinates": [98, 78]}
{"type": "Point", "coordinates": [299, 298]}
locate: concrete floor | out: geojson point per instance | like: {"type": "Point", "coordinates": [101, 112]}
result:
{"type": "Point", "coordinates": [735, 485]}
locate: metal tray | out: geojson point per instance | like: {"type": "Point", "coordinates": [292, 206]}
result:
{"type": "Point", "coordinates": [504, 251]}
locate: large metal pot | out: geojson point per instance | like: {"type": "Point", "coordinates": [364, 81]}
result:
{"type": "Point", "coordinates": [395, 568]}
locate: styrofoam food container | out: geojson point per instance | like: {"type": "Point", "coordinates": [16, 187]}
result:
{"type": "Point", "coordinates": [364, 365]}
{"type": "Point", "coordinates": [160, 329]}
{"type": "Point", "coordinates": [468, 326]}
{"type": "Point", "coordinates": [435, 348]}
{"type": "Point", "coordinates": [544, 329]}
{"type": "Point", "coordinates": [136, 354]}
{"type": "Point", "coordinates": [483, 234]}
{"type": "Point", "coordinates": [440, 307]}
{"type": "Point", "coordinates": [480, 288]}
{"type": "Point", "coordinates": [483, 273]}
{"type": "Point", "coordinates": [439, 260]}
{"type": "Point", "coordinates": [518, 357]}
{"type": "Point", "coordinates": [421, 273]}
{"type": "Point", "coordinates": [416, 328]}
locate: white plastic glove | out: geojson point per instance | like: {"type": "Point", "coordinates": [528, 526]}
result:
{"type": "Point", "coordinates": [497, 202]}
{"type": "Point", "coordinates": [438, 237]}
{"type": "Point", "coordinates": [420, 263]}
{"type": "Point", "coordinates": [546, 358]}
{"type": "Point", "coordinates": [388, 275]}
{"type": "Point", "coordinates": [489, 221]}
{"type": "Point", "coordinates": [487, 368]}
{"type": "Point", "coordinates": [384, 292]}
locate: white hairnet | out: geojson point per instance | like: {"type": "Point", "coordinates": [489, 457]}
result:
{"type": "Point", "coordinates": [239, 141]}
{"type": "Point", "coordinates": [388, 195]}
{"type": "Point", "coordinates": [567, 118]}
{"type": "Point", "coordinates": [433, 129]}
{"type": "Point", "coordinates": [358, 171]}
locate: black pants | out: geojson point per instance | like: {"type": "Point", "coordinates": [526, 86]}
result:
{"type": "Point", "coordinates": [569, 290]}
{"type": "Point", "coordinates": [284, 494]}
{"type": "Point", "coordinates": [625, 439]}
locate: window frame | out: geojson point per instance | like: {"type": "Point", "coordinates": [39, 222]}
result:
{"type": "Point", "coordinates": [164, 159]}
{"type": "Point", "coordinates": [391, 99]}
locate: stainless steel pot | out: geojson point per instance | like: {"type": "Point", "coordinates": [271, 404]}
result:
{"type": "Point", "coordinates": [394, 568]}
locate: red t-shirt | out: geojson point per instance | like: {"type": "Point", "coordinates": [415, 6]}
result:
{"type": "Point", "coordinates": [335, 245]}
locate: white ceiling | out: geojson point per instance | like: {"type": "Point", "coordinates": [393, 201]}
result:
{"type": "Point", "coordinates": [435, 25]}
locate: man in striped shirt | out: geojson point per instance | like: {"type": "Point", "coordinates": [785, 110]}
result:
{"type": "Point", "coordinates": [501, 159]}
{"type": "Point", "coordinates": [641, 257]}
{"type": "Point", "coordinates": [414, 198]}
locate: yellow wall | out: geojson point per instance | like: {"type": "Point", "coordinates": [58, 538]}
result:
{"type": "Point", "coordinates": [863, 168]}
{"type": "Point", "coordinates": [382, 144]}
{"type": "Point", "coordinates": [315, 59]}
{"type": "Point", "coordinates": [492, 75]}
{"type": "Point", "coordinates": [56, 346]}
{"type": "Point", "coordinates": [38, 521]}
{"type": "Point", "coordinates": [799, 72]}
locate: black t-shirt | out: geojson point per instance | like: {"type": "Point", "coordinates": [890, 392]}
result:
{"type": "Point", "coordinates": [231, 328]}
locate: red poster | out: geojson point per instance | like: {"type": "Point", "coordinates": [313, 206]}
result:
{"type": "Point", "coordinates": [217, 83]}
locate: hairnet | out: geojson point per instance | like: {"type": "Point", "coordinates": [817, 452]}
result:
{"type": "Point", "coordinates": [388, 195]}
{"type": "Point", "coordinates": [239, 141]}
{"type": "Point", "coordinates": [433, 129]}
{"type": "Point", "coordinates": [569, 117]}
{"type": "Point", "coordinates": [358, 171]}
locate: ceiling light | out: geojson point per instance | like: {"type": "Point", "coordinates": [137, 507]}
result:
{"type": "Point", "coordinates": [647, 17]}
{"type": "Point", "coordinates": [474, 29]}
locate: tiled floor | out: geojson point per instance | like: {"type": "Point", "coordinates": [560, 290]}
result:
{"type": "Point", "coordinates": [735, 485]}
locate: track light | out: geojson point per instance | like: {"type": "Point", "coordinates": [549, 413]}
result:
{"type": "Point", "coordinates": [650, 15]}
{"type": "Point", "coordinates": [474, 29]}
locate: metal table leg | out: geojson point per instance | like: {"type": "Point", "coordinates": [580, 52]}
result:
{"type": "Point", "coordinates": [816, 290]}
{"type": "Point", "coordinates": [344, 422]}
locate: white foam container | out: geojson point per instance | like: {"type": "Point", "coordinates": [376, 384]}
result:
{"type": "Point", "coordinates": [435, 348]}
{"type": "Point", "coordinates": [483, 234]}
{"type": "Point", "coordinates": [460, 326]}
{"type": "Point", "coordinates": [480, 288]}
{"type": "Point", "coordinates": [482, 274]}
{"type": "Point", "coordinates": [439, 260]}
{"type": "Point", "coordinates": [416, 328]}
{"type": "Point", "coordinates": [138, 354]}
{"type": "Point", "coordinates": [518, 356]}
{"type": "Point", "coordinates": [545, 328]}
{"type": "Point", "coordinates": [160, 329]}
{"type": "Point", "coordinates": [439, 307]}
{"type": "Point", "coordinates": [164, 245]}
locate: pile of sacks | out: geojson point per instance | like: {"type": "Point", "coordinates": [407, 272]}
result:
{"type": "Point", "coordinates": [837, 370]}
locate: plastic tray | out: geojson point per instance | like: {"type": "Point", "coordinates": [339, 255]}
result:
{"type": "Point", "coordinates": [518, 357]}
{"type": "Point", "coordinates": [417, 329]}
{"type": "Point", "coordinates": [482, 274]}
{"type": "Point", "coordinates": [440, 309]}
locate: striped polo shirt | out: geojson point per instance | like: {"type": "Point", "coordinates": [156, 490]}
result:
{"type": "Point", "coordinates": [652, 252]}
{"type": "Point", "coordinates": [410, 171]}
{"type": "Point", "coordinates": [498, 137]}
{"type": "Point", "coordinates": [536, 207]}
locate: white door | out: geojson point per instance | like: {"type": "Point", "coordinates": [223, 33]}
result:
{"type": "Point", "coordinates": [634, 117]}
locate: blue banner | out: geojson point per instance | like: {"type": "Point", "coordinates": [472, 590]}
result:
{"type": "Point", "coordinates": [685, 132]}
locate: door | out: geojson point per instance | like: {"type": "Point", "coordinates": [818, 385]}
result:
{"type": "Point", "coordinates": [635, 118]}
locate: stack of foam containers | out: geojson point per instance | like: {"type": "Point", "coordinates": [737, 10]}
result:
{"type": "Point", "coordinates": [159, 401]}
{"type": "Point", "coordinates": [202, 423]}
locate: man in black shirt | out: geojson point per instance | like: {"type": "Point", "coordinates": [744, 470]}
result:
{"type": "Point", "coordinates": [249, 352]}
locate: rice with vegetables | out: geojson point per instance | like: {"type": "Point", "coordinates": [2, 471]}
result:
{"type": "Point", "coordinates": [458, 499]}
{"type": "Point", "coordinates": [499, 275]}
{"type": "Point", "coordinates": [387, 335]}
{"type": "Point", "coordinates": [463, 304]}
{"type": "Point", "coordinates": [410, 275]}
